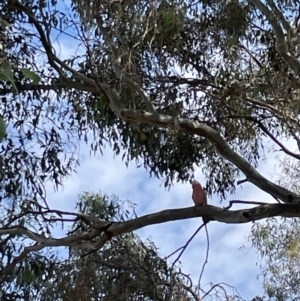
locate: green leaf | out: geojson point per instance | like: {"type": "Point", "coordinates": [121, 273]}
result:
{"type": "Point", "coordinates": [28, 276]}
{"type": "Point", "coordinates": [6, 74]}
{"type": "Point", "coordinates": [31, 75]}
{"type": "Point", "coordinates": [2, 129]}
{"type": "Point", "coordinates": [4, 23]}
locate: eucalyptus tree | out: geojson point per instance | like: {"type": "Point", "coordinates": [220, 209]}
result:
{"type": "Point", "coordinates": [173, 85]}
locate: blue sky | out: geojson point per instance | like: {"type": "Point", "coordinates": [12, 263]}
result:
{"type": "Point", "coordinates": [230, 261]}
{"type": "Point", "coordinates": [227, 262]}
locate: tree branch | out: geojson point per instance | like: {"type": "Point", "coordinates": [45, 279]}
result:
{"type": "Point", "coordinates": [116, 58]}
{"type": "Point", "coordinates": [95, 238]}
{"type": "Point", "coordinates": [272, 137]}
{"type": "Point", "coordinates": [216, 139]}
{"type": "Point", "coordinates": [110, 228]}
{"type": "Point", "coordinates": [281, 43]}
{"type": "Point", "coordinates": [186, 244]}
{"type": "Point", "coordinates": [185, 125]}
{"type": "Point", "coordinates": [279, 15]}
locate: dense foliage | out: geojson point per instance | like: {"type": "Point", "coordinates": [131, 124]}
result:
{"type": "Point", "coordinates": [173, 85]}
{"type": "Point", "coordinates": [125, 267]}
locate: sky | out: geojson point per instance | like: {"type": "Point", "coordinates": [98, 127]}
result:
{"type": "Point", "coordinates": [231, 259]}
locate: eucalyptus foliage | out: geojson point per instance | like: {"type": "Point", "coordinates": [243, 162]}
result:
{"type": "Point", "coordinates": [135, 75]}
{"type": "Point", "coordinates": [211, 61]}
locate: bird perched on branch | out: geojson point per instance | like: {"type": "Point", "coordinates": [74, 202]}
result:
{"type": "Point", "coordinates": [199, 195]}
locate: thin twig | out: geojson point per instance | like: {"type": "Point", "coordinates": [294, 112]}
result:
{"type": "Point", "coordinates": [242, 181]}
{"type": "Point", "coordinates": [244, 202]}
{"type": "Point", "coordinates": [206, 257]}
{"type": "Point", "coordinates": [186, 245]}
{"type": "Point", "coordinates": [174, 252]}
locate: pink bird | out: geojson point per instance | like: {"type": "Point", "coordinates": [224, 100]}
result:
{"type": "Point", "coordinates": [198, 196]}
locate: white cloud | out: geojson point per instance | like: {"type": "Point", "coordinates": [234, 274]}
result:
{"type": "Point", "coordinates": [227, 261]}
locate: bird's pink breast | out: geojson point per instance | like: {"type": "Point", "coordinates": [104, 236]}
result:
{"type": "Point", "coordinates": [198, 196]}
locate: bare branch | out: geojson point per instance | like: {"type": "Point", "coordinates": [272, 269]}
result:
{"type": "Point", "coordinates": [186, 244]}
{"type": "Point", "coordinates": [107, 229]}
{"type": "Point", "coordinates": [243, 202]}
{"type": "Point", "coordinates": [206, 257]}
{"type": "Point", "coordinates": [241, 181]}
{"type": "Point", "coordinates": [283, 148]}
{"type": "Point", "coordinates": [95, 238]}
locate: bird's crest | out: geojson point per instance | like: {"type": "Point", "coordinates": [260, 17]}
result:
{"type": "Point", "coordinates": [195, 183]}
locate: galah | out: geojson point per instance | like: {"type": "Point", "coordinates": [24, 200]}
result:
{"type": "Point", "coordinates": [198, 196]}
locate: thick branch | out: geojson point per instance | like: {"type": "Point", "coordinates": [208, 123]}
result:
{"type": "Point", "coordinates": [281, 43]}
{"type": "Point", "coordinates": [215, 138]}
{"type": "Point", "coordinates": [213, 213]}
{"type": "Point", "coordinates": [191, 127]}
{"type": "Point", "coordinates": [279, 15]}
{"type": "Point", "coordinates": [106, 230]}
{"type": "Point", "coordinates": [185, 125]}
